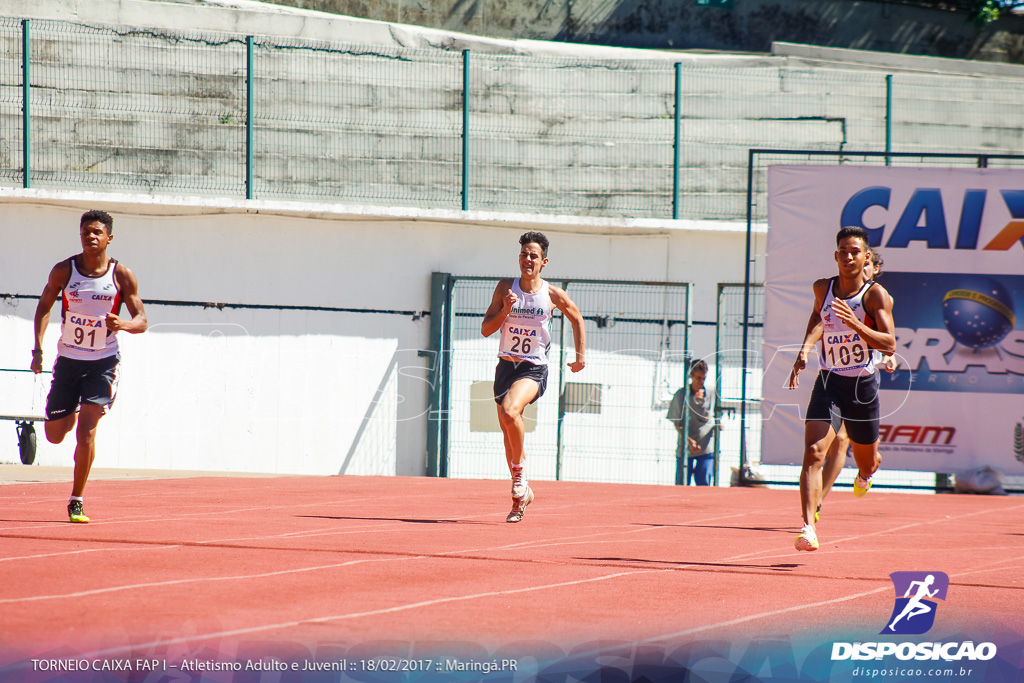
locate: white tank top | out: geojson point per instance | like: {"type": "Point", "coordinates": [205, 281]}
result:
{"type": "Point", "coordinates": [843, 351]}
{"type": "Point", "coordinates": [525, 332]}
{"type": "Point", "coordinates": [84, 307]}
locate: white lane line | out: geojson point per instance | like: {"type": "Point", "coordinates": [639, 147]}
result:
{"type": "Point", "coordinates": [881, 532]}
{"type": "Point", "coordinates": [178, 582]}
{"type": "Point", "coordinates": [357, 615]}
{"type": "Point", "coordinates": [65, 553]}
{"type": "Point", "coordinates": [752, 617]}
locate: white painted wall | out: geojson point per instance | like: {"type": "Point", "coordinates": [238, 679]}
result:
{"type": "Point", "coordinates": [312, 392]}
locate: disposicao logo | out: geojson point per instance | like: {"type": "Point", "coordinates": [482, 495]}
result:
{"type": "Point", "coordinates": [914, 613]}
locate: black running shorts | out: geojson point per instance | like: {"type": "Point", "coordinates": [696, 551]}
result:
{"type": "Point", "coordinates": [836, 399]}
{"type": "Point", "coordinates": [81, 381]}
{"type": "Point", "coordinates": [508, 373]}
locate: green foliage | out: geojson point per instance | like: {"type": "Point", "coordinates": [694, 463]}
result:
{"type": "Point", "coordinates": [979, 12]}
{"type": "Point", "coordinates": [986, 12]}
{"type": "Point", "coordinates": [983, 12]}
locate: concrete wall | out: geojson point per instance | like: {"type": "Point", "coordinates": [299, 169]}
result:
{"type": "Point", "coordinates": [749, 26]}
{"type": "Point", "coordinates": [298, 391]}
{"type": "Point", "coordinates": [554, 128]}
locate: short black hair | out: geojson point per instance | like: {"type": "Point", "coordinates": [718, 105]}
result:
{"type": "Point", "coordinates": [97, 215]}
{"type": "Point", "coordinates": [700, 365]}
{"type": "Point", "coordinates": [538, 238]}
{"type": "Point", "coordinates": [876, 261]}
{"type": "Point", "coordinates": [853, 231]}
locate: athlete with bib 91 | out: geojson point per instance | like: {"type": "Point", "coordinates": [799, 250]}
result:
{"type": "Point", "coordinates": [853, 315]}
{"type": "Point", "coordinates": [92, 287]}
{"type": "Point", "coordinates": [521, 308]}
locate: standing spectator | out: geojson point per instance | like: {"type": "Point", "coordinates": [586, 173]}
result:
{"type": "Point", "coordinates": [695, 455]}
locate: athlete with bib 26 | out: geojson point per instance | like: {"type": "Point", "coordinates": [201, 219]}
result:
{"type": "Point", "coordinates": [521, 308]}
{"type": "Point", "coordinates": [92, 286]}
{"type": "Point", "coordinates": [853, 315]}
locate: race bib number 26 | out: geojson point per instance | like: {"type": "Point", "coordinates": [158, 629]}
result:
{"type": "Point", "coordinates": [520, 341]}
{"type": "Point", "coordinates": [85, 331]}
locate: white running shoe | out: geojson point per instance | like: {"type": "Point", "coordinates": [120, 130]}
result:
{"type": "Point", "coordinates": [807, 540]}
{"type": "Point", "coordinates": [519, 506]}
{"type": "Point", "coordinates": [519, 485]}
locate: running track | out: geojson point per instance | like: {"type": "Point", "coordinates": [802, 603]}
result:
{"type": "Point", "coordinates": [323, 567]}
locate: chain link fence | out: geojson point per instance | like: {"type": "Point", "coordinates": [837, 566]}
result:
{"type": "Point", "coordinates": [220, 114]}
{"type": "Point", "coordinates": [607, 423]}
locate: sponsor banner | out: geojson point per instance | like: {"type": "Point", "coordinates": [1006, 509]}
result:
{"type": "Point", "coordinates": [952, 241]}
{"type": "Point", "coordinates": [794, 659]}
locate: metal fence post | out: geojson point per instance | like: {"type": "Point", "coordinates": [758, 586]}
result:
{"type": "Point", "coordinates": [439, 355]}
{"type": "Point", "coordinates": [560, 427]}
{"type": "Point", "coordinates": [888, 115]}
{"type": "Point", "coordinates": [26, 115]}
{"type": "Point", "coordinates": [687, 359]}
{"type": "Point", "coordinates": [677, 151]}
{"type": "Point", "coordinates": [249, 193]}
{"type": "Point", "coordinates": [746, 315]}
{"type": "Point", "coordinates": [465, 130]}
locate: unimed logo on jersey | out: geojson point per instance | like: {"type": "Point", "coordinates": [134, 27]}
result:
{"type": "Point", "coordinates": [916, 595]}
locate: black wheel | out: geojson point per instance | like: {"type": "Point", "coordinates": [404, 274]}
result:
{"type": "Point", "coordinates": [27, 442]}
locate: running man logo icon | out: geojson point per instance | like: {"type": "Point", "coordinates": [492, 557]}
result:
{"type": "Point", "coordinates": [914, 612]}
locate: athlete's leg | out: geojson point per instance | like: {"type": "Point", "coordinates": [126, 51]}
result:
{"type": "Point", "coordinates": [85, 449]}
{"type": "Point", "coordinates": [864, 430]}
{"type": "Point", "coordinates": [510, 416]}
{"type": "Point", "coordinates": [834, 462]}
{"type": "Point", "coordinates": [818, 436]}
{"type": "Point", "coordinates": [56, 430]}
{"type": "Point", "coordinates": [867, 457]}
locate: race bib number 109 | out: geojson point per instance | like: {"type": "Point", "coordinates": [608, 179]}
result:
{"type": "Point", "coordinates": [844, 352]}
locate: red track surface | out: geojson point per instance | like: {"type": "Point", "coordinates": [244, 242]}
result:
{"type": "Point", "coordinates": [178, 567]}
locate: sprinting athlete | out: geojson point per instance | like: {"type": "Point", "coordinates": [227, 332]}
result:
{"type": "Point", "coordinates": [92, 287]}
{"type": "Point", "coordinates": [521, 308]}
{"type": "Point", "coordinates": [835, 460]}
{"type": "Point", "coordinates": [855, 316]}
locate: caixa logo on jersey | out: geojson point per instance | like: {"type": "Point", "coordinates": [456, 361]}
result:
{"type": "Point", "coordinates": [914, 613]}
{"type": "Point", "coordinates": [923, 219]}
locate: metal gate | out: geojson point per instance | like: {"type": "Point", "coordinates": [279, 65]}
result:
{"type": "Point", "coordinates": [738, 377]}
{"type": "Point", "coordinates": [606, 423]}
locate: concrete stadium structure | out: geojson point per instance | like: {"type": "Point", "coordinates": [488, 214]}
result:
{"type": "Point", "coordinates": [288, 328]}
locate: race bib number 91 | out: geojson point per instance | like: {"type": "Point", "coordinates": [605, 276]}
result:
{"type": "Point", "coordinates": [84, 331]}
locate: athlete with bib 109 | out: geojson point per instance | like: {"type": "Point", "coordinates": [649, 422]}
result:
{"type": "Point", "coordinates": [852, 315]}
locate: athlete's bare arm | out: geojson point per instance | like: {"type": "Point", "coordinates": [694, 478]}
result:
{"type": "Point", "coordinates": [562, 301]}
{"type": "Point", "coordinates": [877, 304]}
{"type": "Point", "coordinates": [60, 274]}
{"type": "Point", "coordinates": [128, 286]}
{"type": "Point", "coordinates": [812, 334]}
{"type": "Point", "coordinates": [501, 305]}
